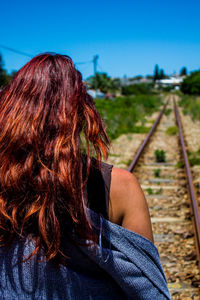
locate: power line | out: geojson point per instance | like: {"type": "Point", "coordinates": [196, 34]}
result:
{"type": "Point", "coordinates": [94, 60]}
{"type": "Point", "coordinates": [84, 62]}
{"type": "Point", "coordinates": [30, 55]}
{"type": "Point", "coordinates": [16, 51]}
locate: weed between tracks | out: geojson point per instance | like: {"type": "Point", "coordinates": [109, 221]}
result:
{"type": "Point", "coordinates": [157, 172]}
{"type": "Point", "coordinates": [173, 130]}
{"type": "Point", "coordinates": [160, 155]}
{"type": "Point", "coordinates": [150, 191]}
{"type": "Point", "coordinates": [180, 164]}
{"type": "Point", "coordinates": [168, 111]}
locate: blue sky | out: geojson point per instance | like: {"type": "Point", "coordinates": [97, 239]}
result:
{"type": "Point", "coordinates": [130, 37]}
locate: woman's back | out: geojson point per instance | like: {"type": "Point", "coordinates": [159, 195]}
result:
{"type": "Point", "coordinates": [55, 199]}
{"type": "Point", "coordinates": [78, 275]}
{"type": "Point", "coordinates": [76, 278]}
{"type": "Point", "coordinates": [125, 266]}
{"type": "Point", "coordinates": [86, 274]}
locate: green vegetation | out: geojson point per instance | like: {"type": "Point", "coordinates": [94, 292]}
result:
{"type": "Point", "coordinates": [129, 137]}
{"type": "Point", "coordinates": [191, 105]}
{"type": "Point", "coordinates": [126, 162]}
{"type": "Point", "coordinates": [158, 73]}
{"type": "Point", "coordinates": [191, 84]}
{"type": "Point", "coordinates": [166, 89]}
{"type": "Point", "coordinates": [160, 155]}
{"type": "Point", "coordinates": [140, 129]}
{"type": "Point", "coordinates": [183, 71]}
{"type": "Point", "coordinates": [136, 89]}
{"type": "Point", "coordinates": [114, 155]}
{"type": "Point", "coordinates": [121, 115]}
{"type": "Point", "coordinates": [157, 172]}
{"type": "Point", "coordinates": [151, 192]}
{"type": "Point", "coordinates": [104, 83]}
{"type": "Point", "coordinates": [173, 130]}
{"type": "Point", "coordinates": [158, 192]}
{"type": "Point", "coordinates": [194, 158]}
{"type": "Point", "coordinates": [4, 77]}
{"type": "Point", "coordinates": [178, 93]}
{"type": "Point", "coordinates": [168, 111]}
{"type": "Point", "coordinates": [194, 161]}
{"type": "Point", "coordinates": [180, 164]}
{"type": "Point", "coordinates": [151, 121]}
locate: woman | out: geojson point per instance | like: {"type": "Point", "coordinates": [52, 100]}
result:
{"type": "Point", "coordinates": [60, 209]}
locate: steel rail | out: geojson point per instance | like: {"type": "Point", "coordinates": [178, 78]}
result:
{"type": "Point", "coordinates": [146, 140]}
{"type": "Point", "coordinates": [192, 192]}
{"type": "Point", "coordinates": [194, 204]}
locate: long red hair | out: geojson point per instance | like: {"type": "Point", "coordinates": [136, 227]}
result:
{"type": "Point", "coordinates": [47, 122]}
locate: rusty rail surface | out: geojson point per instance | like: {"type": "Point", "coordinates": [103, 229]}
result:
{"type": "Point", "coordinates": [192, 192]}
{"type": "Point", "coordinates": [146, 140]}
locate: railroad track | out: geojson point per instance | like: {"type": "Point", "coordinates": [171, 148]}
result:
{"type": "Point", "coordinates": [162, 168]}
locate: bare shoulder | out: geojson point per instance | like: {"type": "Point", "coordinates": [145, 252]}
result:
{"type": "Point", "coordinates": [128, 206]}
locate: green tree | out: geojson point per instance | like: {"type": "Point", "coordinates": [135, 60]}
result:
{"type": "Point", "coordinates": [115, 85]}
{"type": "Point", "coordinates": [156, 73]}
{"type": "Point", "coordinates": [4, 78]}
{"type": "Point", "coordinates": [149, 76]}
{"type": "Point", "coordinates": [191, 84]}
{"type": "Point", "coordinates": [13, 73]}
{"type": "Point", "coordinates": [138, 77]}
{"type": "Point", "coordinates": [162, 74]}
{"type": "Point", "coordinates": [103, 82]}
{"type": "Point", "coordinates": [183, 71]}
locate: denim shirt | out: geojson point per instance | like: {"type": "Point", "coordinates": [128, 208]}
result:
{"type": "Point", "coordinates": [124, 265]}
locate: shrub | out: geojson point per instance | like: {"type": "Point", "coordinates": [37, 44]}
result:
{"type": "Point", "coordinates": [191, 105]}
{"type": "Point", "coordinates": [140, 129]}
{"type": "Point", "coordinates": [194, 161]}
{"type": "Point", "coordinates": [136, 89]}
{"type": "Point", "coordinates": [168, 111]}
{"type": "Point", "coordinates": [160, 155]}
{"type": "Point", "coordinates": [194, 158]}
{"type": "Point", "coordinates": [157, 172]}
{"type": "Point", "coordinates": [121, 115]}
{"type": "Point", "coordinates": [191, 84]}
{"type": "Point", "coordinates": [149, 191]}
{"type": "Point", "coordinates": [180, 164]}
{"type": "Point", "coordinates": [173, 130]}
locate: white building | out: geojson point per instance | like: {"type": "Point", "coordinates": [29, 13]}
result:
{"type": "Point", "coordinates": [173, 81]}
{"type": "Point", "coordinates": [130, 81]}
{"type": "Point", "coordinates": [96, 94]}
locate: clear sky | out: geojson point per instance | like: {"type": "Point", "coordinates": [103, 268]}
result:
{"type": "Point", "coordinates": [129, 36]}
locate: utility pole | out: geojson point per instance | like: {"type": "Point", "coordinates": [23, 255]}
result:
{"type": "Point", "coordinates": [95, 58]}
